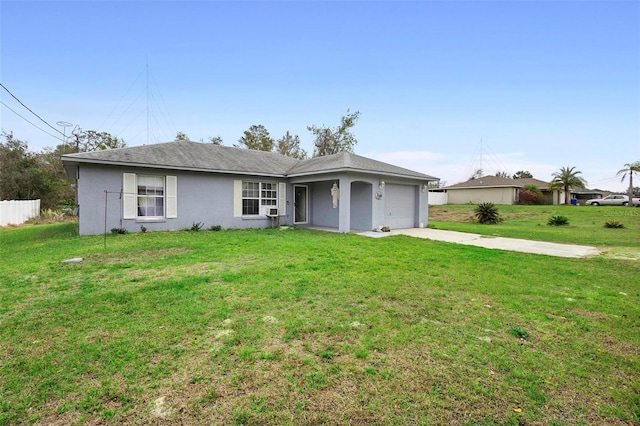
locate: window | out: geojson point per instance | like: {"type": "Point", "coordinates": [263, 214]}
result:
{"type": "Point", "coordinates": [258, 194]}
{"type": "Point", "coordinates": [148, 196]}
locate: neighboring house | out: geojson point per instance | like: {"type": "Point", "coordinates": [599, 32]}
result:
{"type": "Point", "coordinates": [173, 185]}
{"type": "Point", "coordinates": [583, 195]}
{"type": "Point", "coordinates": [497, 190]}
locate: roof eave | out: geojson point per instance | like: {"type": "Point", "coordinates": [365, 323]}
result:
{"type": "Point", "coordinates": [491, 186]}
{"type": "Point", "coordinates": [347, 169]}
{"type": "Point", "coordinates": [484, 187]}
{"type": "Point", "coordinates": [71, 160]}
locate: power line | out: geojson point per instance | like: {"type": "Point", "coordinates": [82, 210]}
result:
{"type": "Point", "coordinates": [29, 109]}
{"type": "Point", "coordinates": [39, 128]}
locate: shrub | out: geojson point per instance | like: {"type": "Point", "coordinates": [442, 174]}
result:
{"type": "Point", "coordinates": [67, 207]}
{"type": "Point", "coordinates": [120, 231]}
{"type": "Point", "coordinates": [215, 228]}
{"type": "Point", "coordinates": [613, 224]}
{"type": "Point", "coordinates": [558, 220]}
{"type": "Point", "coordinates": [529, 195]}
{"type": "Point", "coordinates": [196, 226]}
{"type": "Point", "coordinates": [143, 229]}
{"type": "Point", "coordinates": [487, 213]}
{"type": "Point", "coordinates": [49, 215]}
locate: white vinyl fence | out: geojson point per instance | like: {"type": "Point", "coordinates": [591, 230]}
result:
{"type": "Point", "coordinates": [16, 212]}
{"type": "Point", "coordinates": [438, 198]}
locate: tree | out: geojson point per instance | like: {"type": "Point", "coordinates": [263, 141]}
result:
{"type": "Point", "coordinates": [503, 175]}
{"type": "Point", "coordinates": [289, 145]}
{"type": "Point", "coordinates": [566, 179]}
{"type": "Point", "coordinates": [22, 174]}
{"type": "Point", "coordinates": [436, 184]}
{"type": "Point", "coordinates": [477, 174]}
{"type": "Point", "coordinates": [256, 137]}
{"type": "Point", "coordinates": [216, 140]}
{"type": "Point", "coordinates": [61, 189]}
{"type": "Point", "coordinates": [628, 170]}
{"type": "Point", "coordinates": [92, 140]}
{"type": "Point", "coordinates": [182, 136]}
{"type": "Point", "coordinates": [522, 174]}
{"type": "Point", "coordinates": [331, 141]}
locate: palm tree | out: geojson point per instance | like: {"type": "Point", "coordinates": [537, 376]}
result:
{"type": "Point", "coordinates": [629, 169]}
{"type": "Point", "coordinates": [566, 179]}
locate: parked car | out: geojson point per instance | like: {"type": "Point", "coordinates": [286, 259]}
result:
{"type": "Point", "coordinates": [613, 200]}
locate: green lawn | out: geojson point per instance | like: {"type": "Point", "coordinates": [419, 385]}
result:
{"type": "Point", "coordinates": [308, 327]}
{"type": "Point", "coordinates": [586, 224]}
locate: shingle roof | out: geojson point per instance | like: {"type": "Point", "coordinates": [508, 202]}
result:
{"type": "Point", "coordinates": [185, 155]}
{"type": "Point", "coordinates": [533, 181]}
{"type": "Point", "coordinates": [496, 181]}
{"type": "Point", "coordinates": [347, 161]}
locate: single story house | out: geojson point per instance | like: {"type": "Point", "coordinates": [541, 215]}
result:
{"type": "Point", "coordinates": [498, 190]}
{"type": "Point", "coordinates": [170, 186]}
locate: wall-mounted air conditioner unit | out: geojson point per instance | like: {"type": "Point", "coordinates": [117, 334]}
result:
{"type": "Point", "coordinates": [272, 212]}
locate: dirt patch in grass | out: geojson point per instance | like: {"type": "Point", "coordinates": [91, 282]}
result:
{"type": "Point", "coordinates": [451, 215]}
{"type": "Point", "coordinates": [598, 316]}
{"type": "Point", "coordinates": [170, 272]}
{"type": "Point", "coordinates": [55, 419]}
{"type": "Point", "coordinates": [619, 347]}
{"type": "Point", "coordinates": [622, 253]}
{"type": "Point", "coordinates": [137, 255]}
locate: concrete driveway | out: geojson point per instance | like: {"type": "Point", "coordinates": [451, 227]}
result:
{"type": "Point", "coordinates": [512, 244]}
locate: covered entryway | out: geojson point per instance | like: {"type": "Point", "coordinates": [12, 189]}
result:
{"type": "Point", "coordinates": [400, 206]}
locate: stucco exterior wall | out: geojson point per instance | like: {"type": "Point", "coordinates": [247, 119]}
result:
{"type": "Point", "coordinates": [202, 197]}
{"type": "Point", "coordinates": [209, 198]}
{"type": "Point", "coordinates": [361, 206]}
{"type": "Point", "coordinates": [504, 195]}
{"type": "Point", "coordinates": [321, 208]}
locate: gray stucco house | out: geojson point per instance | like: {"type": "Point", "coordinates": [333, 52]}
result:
{"type": "Point", "coordinates": [170, 186]}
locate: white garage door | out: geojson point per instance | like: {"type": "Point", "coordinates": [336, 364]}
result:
{"type": "Point", "coordinates": [400, 206]}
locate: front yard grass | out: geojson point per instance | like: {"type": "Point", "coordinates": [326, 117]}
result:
{"type": "Point", "coordinates": [307, 327]}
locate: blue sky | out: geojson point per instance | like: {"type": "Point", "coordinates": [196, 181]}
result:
{"type": "Point", "coordinates": [542, 84]}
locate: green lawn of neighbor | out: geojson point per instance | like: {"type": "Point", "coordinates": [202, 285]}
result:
{"type": "Point", "coordinates": [586, 225]}
{"type": "Point", "coordinates": [297, 326]}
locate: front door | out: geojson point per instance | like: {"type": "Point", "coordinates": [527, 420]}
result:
{"type": "Point", "coordinates": [300, 204]}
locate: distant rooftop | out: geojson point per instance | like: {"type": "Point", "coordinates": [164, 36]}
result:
{"type": "Point", "coordinates": [496, 181]}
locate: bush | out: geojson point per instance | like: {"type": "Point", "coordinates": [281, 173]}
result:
{"type": "Point", "coordinates": [196, 226]}
{"type": "Point", "coordinates": [215, 228]}
{"type": "Point", "coordinates": [49, 215]}
{"type": "Point", "coordinates": [487, 213]}
{"type": "Point", "coordinates": [613, 224]}
{"type": "Point", "coordinates": [529, 196]}
{"type": "Point", "coordinates": [120, 231]}
{"type": "Point", "coordinates": [558, 220]}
